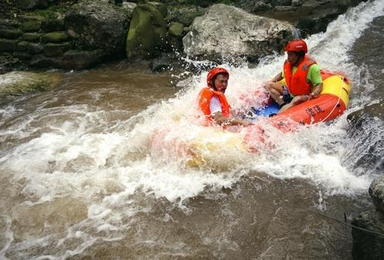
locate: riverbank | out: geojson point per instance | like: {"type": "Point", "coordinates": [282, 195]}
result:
{"type": "Point", "coordinates": [81, 34]}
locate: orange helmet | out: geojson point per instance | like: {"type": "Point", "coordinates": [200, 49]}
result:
{"type": "Point", "coordinates": [296, 46]}
{"type": "Point", "coordinates": [213, 72]}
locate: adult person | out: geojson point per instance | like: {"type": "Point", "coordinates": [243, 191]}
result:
{"type": "Point", "coordinates": [213, 103]}
{"type": "Point", "coordinates": [302, 77]}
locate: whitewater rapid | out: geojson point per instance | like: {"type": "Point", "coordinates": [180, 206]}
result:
{"type": "Point", "coordinates": [100, 156]}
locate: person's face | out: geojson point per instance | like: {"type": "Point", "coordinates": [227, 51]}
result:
{"type": "Point", "coordinates": [293, 57]}
{"type": "Point", "coordinates": [221, 82]}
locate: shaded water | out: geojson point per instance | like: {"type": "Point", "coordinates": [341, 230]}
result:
{"type": "Point", "coordinates": [82, 178]}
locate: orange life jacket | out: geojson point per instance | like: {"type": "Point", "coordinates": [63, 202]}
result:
{"type": "Point", "coordinates": [205, 96]}
{"type": "Point", "coordinates": [297, 83]}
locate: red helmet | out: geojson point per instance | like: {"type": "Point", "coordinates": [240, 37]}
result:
{"type": "Point", "coordinates": [213, 72]}
{"type": "Point", "coordinates": [296, 46]}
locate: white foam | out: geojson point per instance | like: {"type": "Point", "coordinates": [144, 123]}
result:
{"type": "Point", "coordinates": [73, 158]}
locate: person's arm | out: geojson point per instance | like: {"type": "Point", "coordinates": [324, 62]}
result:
{"type": "Point", "coordinates": [278, 77]}
{"type": "Point", "coordinates": [314, 77]}
{"type": "Point", "coordinates": [222, 120]}
{"type": "Point", "coordinates": [316, 91]}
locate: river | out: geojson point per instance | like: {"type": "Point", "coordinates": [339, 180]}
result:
{"type": "Point", "coordinates": [82, 178]}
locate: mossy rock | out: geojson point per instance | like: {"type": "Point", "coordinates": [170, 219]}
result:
{"type": "Point", "coordinates": [30, 26]}
{"type": "Point", "coordinates": [35, 48]}
{"type": "Point", "coordinates": [161, 7]}
{"type": "Point", "coordinates": [52, 25]}
{"type": "Point", "coordinates": [10, 34]}
{"type": "Point", "coordinates": [31, 37]}
{"type": "Point", "coordinates": [24, 56]}
{"type": "Point", "coordinates": [22, 46]}
{"type": "Point", "coordinates": [147, 32]}
{"type": "Point", "coordinates": [56, 49]}
{"type": "Point", "coordinates": [42, 61]}
{"type": "Point", "coordinates": [176, 29]}
{"type": "Point", "coordinates": [8, 45]}
{"type": "Point", "coordinates": [54, 37]}
{"type": "Point", "coordinates": [15, 84]}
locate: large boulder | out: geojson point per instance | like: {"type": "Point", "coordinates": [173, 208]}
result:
{"type": "Point", "coordinates": [308, 16]}
{"type": "Point", "coordinates": [147, 32]}
{"type": "Point", "coordinates": [226, 32]}
{"type": "Point", "coordinates": [16, 84]}
{"type": "Point", "coordinates": [96, 25]}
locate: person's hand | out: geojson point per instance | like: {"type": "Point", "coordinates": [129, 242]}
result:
{"type": "Point", "coordinates": [314, 94]}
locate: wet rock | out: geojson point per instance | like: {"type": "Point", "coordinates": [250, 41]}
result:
{"type": "Point", "coordinates": [297, 2]}
{"type": "Point", "coordinates": [34, 48]}
{"type": "Point", "coordinates": [371, 111]}
{"type": "Point", "coordinates": [42, 61]}
{"type": "Point", "coordinates": [146, 36]}
{"type": "Point", "coordinates": [185, 15]}
{"type": "Point", "coordinates": [165, 62]}
{"type": "Point", "coordinates": [8, 24]}
{"type": "Point", "coordinates": [16, 84]}
{"type": "Point", "coordinates": [226, 31]}
{"type": "Point", "coordinates": [98, 26]}
{"type": "Point", "coordinates": [8, 45]}
{"type": "Point", "coordinates": [128, 8]}
{"type": "Point", "coordinates": [365, 146]}
{"type": "Point", "coordinates": [376, 191]}
{"type": "Point", "coordinates": [367, 245]}
{"type": "Point", "coordinates": [31, 37]}
{"type": "Point", "coordinates": [53, 25]}
{"type": "Point", "coordinates": [31, 4]}
{"type": "Point", "coordinates": [54, 37]}
{"type": "Point", "coordinates": [81, 59]}
{"type": "Point", "coordinates": [176, 29]}
{"type": "Point", "coordinates": [56, 49]}
{"type": "Point", "coordinates": [261, 6]}
{"type": "Point", "coordinates": [8, 63]}
{"type": "Point", "coordinates": [23, 45]}
{"type": "Point", "coordinates": [31, 25]}
{"type": "Point", "coordinates": [309, 16]}
{"type": "Point", "coordinates": [10, 34]}
{"type": "Point", "coordinates": [281, 2]}
{"type": "Point", "coordinates": [22, 56]}
{"type": "Point", "coordinates": [161, 7]}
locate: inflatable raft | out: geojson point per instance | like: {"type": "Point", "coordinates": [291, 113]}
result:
{"type": "Point", "coordinates": [204, 147]}
{"type": "Point", "coordinates": [331, 103]}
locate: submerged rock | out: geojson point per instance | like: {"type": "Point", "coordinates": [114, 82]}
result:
{"type": "Point", "coordinates": [366, 130]}
{"type": "Point", "coordinates": [225, 32]}
{"type": "Point", "coordinates": [370, 111]}
{"type": "Point", "coordinates": [15, 84]}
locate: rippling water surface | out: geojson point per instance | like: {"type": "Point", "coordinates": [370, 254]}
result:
{"type": "Point", "coordinates": [97, 168]}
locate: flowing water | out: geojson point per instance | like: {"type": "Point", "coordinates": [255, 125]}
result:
{"type": "Point", "coordinates": [97, 168]}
